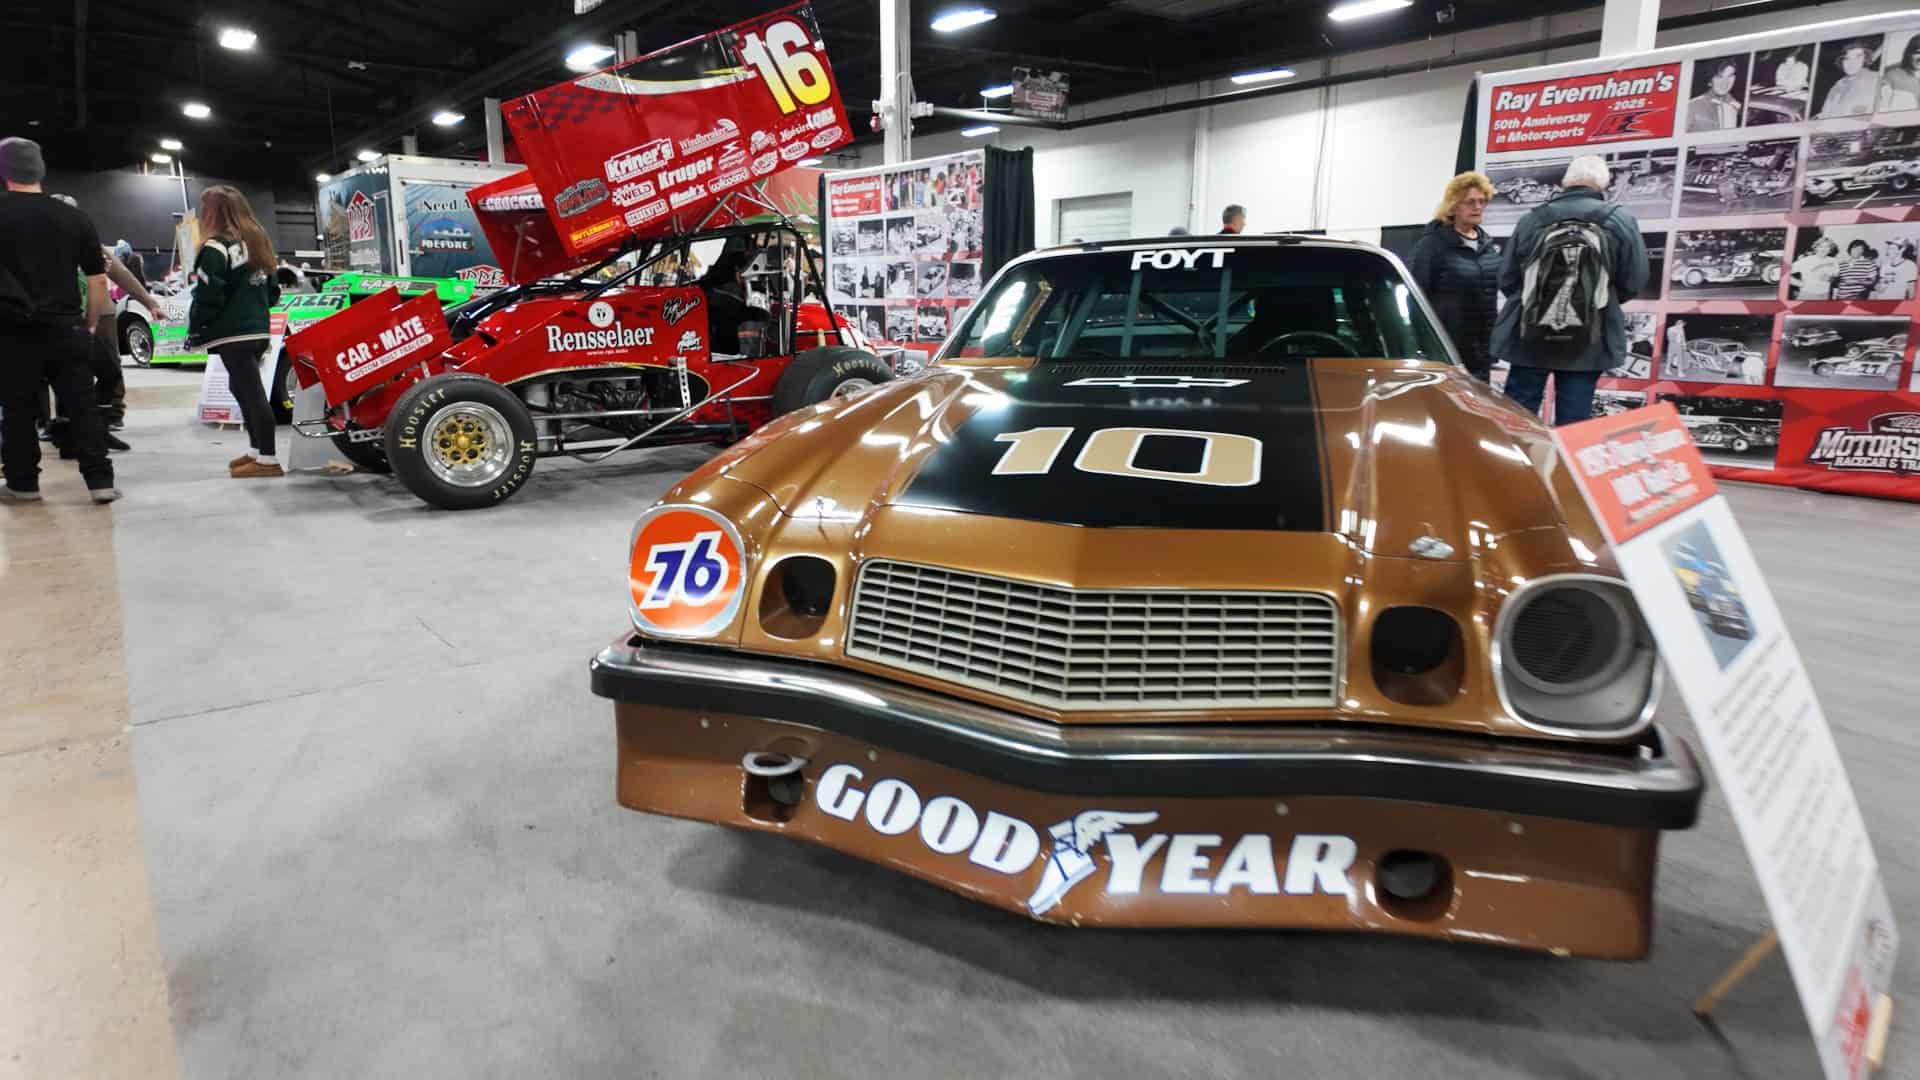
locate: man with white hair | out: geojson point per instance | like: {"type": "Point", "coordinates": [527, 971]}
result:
{"type": "Point", "coordinates": [1571, 263]}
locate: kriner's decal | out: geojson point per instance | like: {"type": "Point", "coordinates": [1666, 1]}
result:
{"type": "Point", "coordinates": [1191, 864]}
{"type": "Point", "coordinates": [1183, 258]}
{"type": "Point", "coordinates": [629, 164]}
{"type": "Point", "coordinates": [678, 175]}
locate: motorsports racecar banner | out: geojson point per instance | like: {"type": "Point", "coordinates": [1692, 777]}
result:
{"type": "Point", "coordinates": [650, 147]}
{"type": "Point", "coordinates": [1776, 178]}
{"type": "Point", "coordinates": [905, 245]}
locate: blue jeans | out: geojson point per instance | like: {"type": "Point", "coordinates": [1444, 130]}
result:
{"type": "Point", "coordinates": [1572, 392]}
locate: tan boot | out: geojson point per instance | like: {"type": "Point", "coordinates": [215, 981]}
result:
{"type": "Point", "coordinates": [239, 461]}
{"type": "Point", "coordinates": [249, 469]}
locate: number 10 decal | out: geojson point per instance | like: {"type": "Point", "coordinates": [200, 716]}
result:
{"type": "Point", "coordinates": [787, 65]}
{"type": "Point", "coordinates": [1226, 459]}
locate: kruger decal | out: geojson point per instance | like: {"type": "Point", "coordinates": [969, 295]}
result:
{"type": "Point", "coordinates": [692, 170]}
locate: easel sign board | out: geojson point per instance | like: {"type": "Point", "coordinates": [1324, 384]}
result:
{"type": "Point", "coordinates": [1727, 648]}
{"type": "Point", "coordinates": [216, 404]}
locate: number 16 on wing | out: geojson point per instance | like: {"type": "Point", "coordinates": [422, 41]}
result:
{"type": "Point", "coordinates": [685, 572]}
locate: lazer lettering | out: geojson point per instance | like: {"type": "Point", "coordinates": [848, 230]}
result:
{"type": "Point", "coordinates": [629, 164]}
{"type": "Point", "coordinates": [613, 337]}
{"type": "Point", "coordinates": [1189, 864]}
{"type": "Point", "coordinates": [1182, 258]}
{"type": "Point", "coordinates": [692, 170]}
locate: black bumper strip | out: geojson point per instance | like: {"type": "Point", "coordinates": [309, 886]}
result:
{"type": "Point", "coordinates": [1659, 787]}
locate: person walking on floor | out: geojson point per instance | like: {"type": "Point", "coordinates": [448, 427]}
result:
{"type": "Point", "coordinates": [1457, 265]}
{"type": "Point", "coordinates": [233, 277]}
{"type": "Point", "coordinates": [52, 277]}
{"type": "Point", "coordinates": [1570, 265]}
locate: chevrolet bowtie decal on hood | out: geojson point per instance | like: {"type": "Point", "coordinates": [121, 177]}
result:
{"type": "Point", "coordinates": [1234, 446]}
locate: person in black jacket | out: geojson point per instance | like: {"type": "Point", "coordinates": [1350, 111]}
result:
{"type": "Point", "coordinates": [1458, 266]}
{"type": "Point", "coordinates": [231, 294]}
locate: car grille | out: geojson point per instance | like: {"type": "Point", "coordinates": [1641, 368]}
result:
{"type": "Point", "coordinates": [1098, 649]}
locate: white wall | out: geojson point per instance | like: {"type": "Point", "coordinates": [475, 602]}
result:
{"type": "Point", "coordinates": [1384, 151]}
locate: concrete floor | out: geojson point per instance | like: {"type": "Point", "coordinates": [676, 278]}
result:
{"type": "Point", "coordinates": [376, 803]}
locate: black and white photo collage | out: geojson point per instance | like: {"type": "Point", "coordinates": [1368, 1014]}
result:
{"type": "Point", "coordinates": [906, 272]}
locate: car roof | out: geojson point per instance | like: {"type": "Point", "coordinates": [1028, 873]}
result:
{"type": "Point", "coordinates": [1272, 240]}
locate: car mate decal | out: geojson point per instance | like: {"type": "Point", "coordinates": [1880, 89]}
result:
{"type": "Point", "coordinates": [725, 131]}
{"type": "Point", "coordinates": [827, 138]}
{"type": "Point", "coordinates": [633, 194]}
{"type": "Point", "coordinates": [640, 215]}
{"type": "Point", "coordinates": [1190, 863]}
{"type": "Point", "coordinates": [629, 164]}
{"type": "Point", "coordinates": [681, 174]}
{"type": "Point", "coordinates": [794, 152]}
{"type": "Point", "coordinates": [678, 307]}
{"type": "Point", "coordinates": [1891, 443]}
{"type": "Point", "coordinates": [1181, 258]}
{"type": "Point", "coordinates": [689, 341]}
{"type": "Point", "coordinates": [766, 163]}
{"type": "Point", "coordinates": [686, 574]}
{"type": "Point", "coordinates": [1137, 456]}
{"type": "Point", "coordinates": [393, 344]}
{"type": "Point", "coordinates": [684, 196]}
{"type": "Point", "coordinates": [581, 197]}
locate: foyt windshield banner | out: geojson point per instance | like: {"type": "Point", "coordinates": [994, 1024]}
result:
{"type": "Point", "coordinates": [1776, 178]}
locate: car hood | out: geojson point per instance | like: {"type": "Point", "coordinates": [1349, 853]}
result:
{"type": "Point", "coordinates": [1395, 457]}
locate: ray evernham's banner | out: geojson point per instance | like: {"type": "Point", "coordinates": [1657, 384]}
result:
{"type": "Point", "coordinates": [1776, 178]}
{"type": "Point", "coordinates": [1727, 649]}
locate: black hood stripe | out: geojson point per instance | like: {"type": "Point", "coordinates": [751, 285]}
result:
{"type": "Point", "coordinates": [1271, 403]}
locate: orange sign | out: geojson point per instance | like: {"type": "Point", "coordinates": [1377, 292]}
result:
{"type": "Point", "coordinates": [687, 574]}
{"type": "Point", "coordinates": [1637, 469]}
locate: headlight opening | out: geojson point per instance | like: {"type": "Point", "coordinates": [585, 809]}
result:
{"type": "Point", "coordinates": [1575, 657]}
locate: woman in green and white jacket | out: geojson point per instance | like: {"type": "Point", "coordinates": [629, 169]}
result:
{"type": "Point", "coordinates": [233, 277]}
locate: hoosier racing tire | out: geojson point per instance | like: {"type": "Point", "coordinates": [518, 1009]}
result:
{"type": "Point", "coordinates": [832, 371]}
{"type": "Point", "coordinates": [461, 442]}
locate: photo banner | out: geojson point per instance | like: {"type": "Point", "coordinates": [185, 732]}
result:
{"type": "Point", "coordinates": [905, 247]}
{"type": "Point", "coordinates": [1776, 178]}
{"type": "Point", "coordinates": [444, 239]}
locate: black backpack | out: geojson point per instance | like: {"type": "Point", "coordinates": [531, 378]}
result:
{"type": "Point", "coordinates": [1567, 287]}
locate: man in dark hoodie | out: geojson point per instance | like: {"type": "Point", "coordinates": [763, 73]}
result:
{"type": "Point", "coordinates": [1457, 265]}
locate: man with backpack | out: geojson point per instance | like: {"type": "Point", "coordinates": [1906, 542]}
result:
{"type": "Point", "coordinates": [1571, 263]}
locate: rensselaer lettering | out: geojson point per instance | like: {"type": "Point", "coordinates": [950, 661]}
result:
{"type": "Point", "coordinates": [613, 337]}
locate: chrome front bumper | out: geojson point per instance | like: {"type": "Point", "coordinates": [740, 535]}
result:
{"type": "Point", "coordinates": [1651, 785]}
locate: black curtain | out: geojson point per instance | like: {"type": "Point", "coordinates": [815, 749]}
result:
{"type": "Point", "coordinates": [1008, 223]}
{"type": "Point", "coordinates": [1463, 160]}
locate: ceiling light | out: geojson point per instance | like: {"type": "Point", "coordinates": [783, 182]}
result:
{"type": "Point", "coordinates": [810, 162]}
{"type": "Point", "coordinates": [1003, 90]}
{"type": "Point", "coordinates": [976, 132]}
{"type": "Point", "coordinates": [447, 118]}
{"type": "Point", "coordinates": [588, 57]}
{"type": "Point", "coordinates": [1247, 78]}
{"type": "Point", "coordinates": [961, 18]}
{"type": "Point", "coordinates": [160, 159]}
{"type": "Point", "coordinates": [322, 177]}
{"type": "Point", "coordinates": [171, 144]}
{"type": "Point", "coordinates": [366, 155]}
{"type": "Point", "coordinates": [196, 110]}
{"type": "Point", "coordinates": [237, 39]}
{"type": "Point", "coordinates": [1361, 9]}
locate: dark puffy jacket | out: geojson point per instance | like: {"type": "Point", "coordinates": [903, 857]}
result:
{"type": "Point", "coordinates": [1628, 279]}
{"type": "Point", "coordinates": [1462, 283]}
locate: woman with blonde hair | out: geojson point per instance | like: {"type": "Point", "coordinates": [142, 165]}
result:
{"type": "Point", "coordinates": [1458, 266]}
{"type": "Point", "coordinates": [232, 291]}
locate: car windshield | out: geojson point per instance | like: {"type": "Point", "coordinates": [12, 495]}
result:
{"type": "Point", "coordinates": [1200, 302]}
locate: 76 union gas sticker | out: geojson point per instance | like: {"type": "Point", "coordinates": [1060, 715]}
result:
{"type": "Point", "coordinates": [686, 575]}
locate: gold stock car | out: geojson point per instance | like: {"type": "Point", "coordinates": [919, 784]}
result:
{"type": "Point", "coordinates": [1195, 585]}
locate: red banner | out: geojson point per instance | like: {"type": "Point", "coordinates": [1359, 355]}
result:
{"type": "Point", "coordinates": [1580, 109]}
{"type": "Point", "coordinates": [851, 198]}
{"type": "Point", "coordinates": [648, 148]}
{"type": "Point", "coordinates": [1637, 469]}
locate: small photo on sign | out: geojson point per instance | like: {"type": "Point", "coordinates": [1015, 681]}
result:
{"type": "Point", "coordinates": [963, 280]}
{"type": "Point", "coordinates": [1643, 181]}
{"type": "Point", "coordinates": [1846, 79]}
{"type": "Point", "coordinates": [845, 279]}
{"type": "Point", "coordinates": [1738, 432]}
{"type": "Point", "coordinates": [1850, 170]}
{"type": "Point", "coordinates": [1519, 186]}
{"type": "Point", "coordinates": [1782, 85]}
{"type": "Point", "coordinates": [930, 323]}
{"type": "Point", "coordinates": [900, 235]}
{"type": "Point", "coordinates": [900, 280]}
{"type": "Point", "coordinates": [1727, 264]}
{"type": "Point", "coordinates": [1718, 101]}
{"type": "Point", "coordinates": [1855, 262]}
{"type": "Point", "coordinates": [1739, 178]}
{"type": "Point", "coordinates": [930, 281]}
{"type": "Point", "coordinates": [1717, 348]}
{"type": "Point", "coordinates": [965, 238]}
{"type": "Point", "coordinates": [842, 242]}
{"type": "Point", "coordinates": [872, 238]}
{"type": "Point", "coordinates": [930, 235]}
{"type": "Point", "coordinates": [872, 319]}
{"type": "Point", "coordinates": [1900, 72]}
{"type": "Point", "coordinates": [1639, 362]}
{"type": "Point", "coordinates": [1842, 352]}
{"type": "Point", "coordinates": [1614, 402]}
{"type": "Point", "coordinates": [899, 322]}
{"type": "Point", "coordinates": [1711, 594]}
